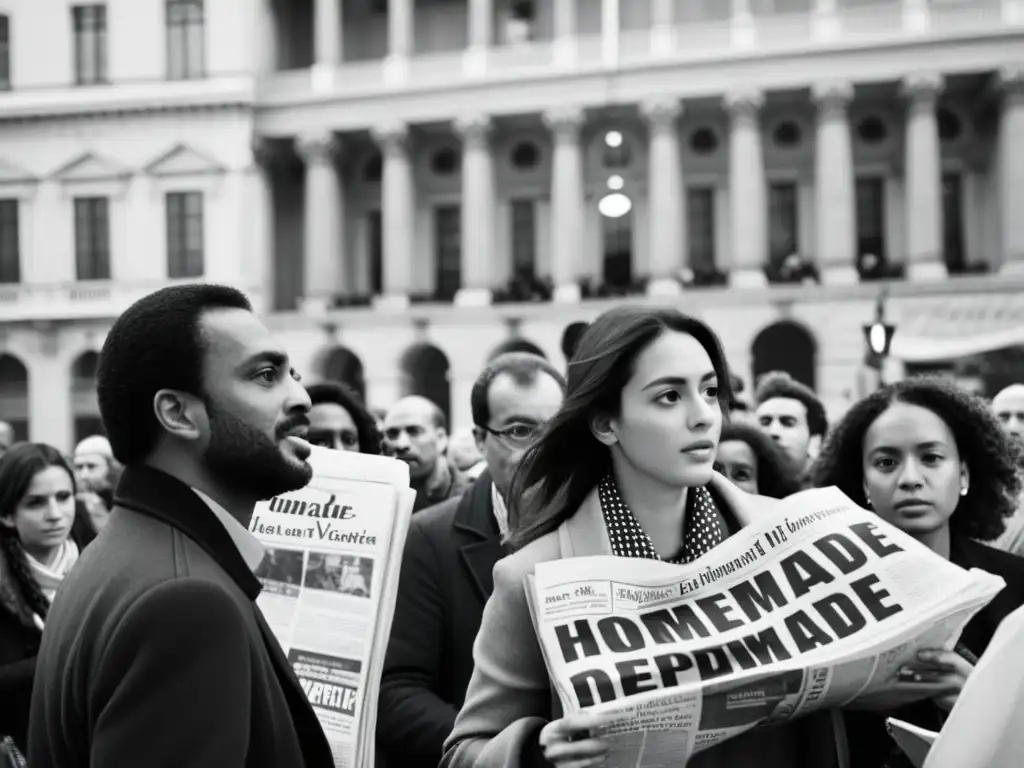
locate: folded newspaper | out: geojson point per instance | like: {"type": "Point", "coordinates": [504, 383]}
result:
{"type": "Point", "coordinates": [813, 607]}
{"type": "Point", "coordinates": [330, 580]}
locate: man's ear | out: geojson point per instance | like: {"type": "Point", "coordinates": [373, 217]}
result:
{"type": "Point", "coordinates": [814, 447]}
{"type": "Point", "coordinates": [180, 414]}
{"type": "Point", "coordinates": [603, 428]}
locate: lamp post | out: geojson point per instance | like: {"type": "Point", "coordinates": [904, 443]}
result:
{"type": "Point", "coordinates": [878, 336]}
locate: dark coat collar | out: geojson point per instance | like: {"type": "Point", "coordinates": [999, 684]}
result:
{"type": "Point", "coordinates": [156, 494]}
{"type": "Point", "coordinates": [474, 518]}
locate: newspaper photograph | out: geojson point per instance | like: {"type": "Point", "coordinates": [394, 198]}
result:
{"type": "Point", "coordinates": [329, 576]}
{"type": "Point", "coordinates": [814, 607]}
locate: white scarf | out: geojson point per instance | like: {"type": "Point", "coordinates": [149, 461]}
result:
{"type": "Point", "coordinates": [50, 576]}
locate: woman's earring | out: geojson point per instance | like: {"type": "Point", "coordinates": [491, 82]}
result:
{"type": "Point", "coordinates": [963, 490]}
{"type": "Point", "coordinates": [867, 498]}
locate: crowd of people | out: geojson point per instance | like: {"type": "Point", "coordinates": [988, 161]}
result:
{"type": "Point", "coordinates": [129, 632]}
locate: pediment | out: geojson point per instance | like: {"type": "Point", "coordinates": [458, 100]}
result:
{"type": "Point", "coordinates": [182, 160]}
{"type": "Point", "coordinates": [14, 174]}
{"type": "Point", "coordinates": [90, 167]}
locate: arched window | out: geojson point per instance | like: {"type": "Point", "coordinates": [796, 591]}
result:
{"type": "Point", "coordinates": [786, 346]}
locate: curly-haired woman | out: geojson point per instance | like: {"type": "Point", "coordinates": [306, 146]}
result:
{"type": "Point", "coordinates": [930, 458]}
{"type": "Point", "coordinates": [754, 462]}
{"type": "Point", "coordinates": [37, 510]}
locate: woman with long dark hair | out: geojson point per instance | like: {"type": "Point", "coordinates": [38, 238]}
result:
{"type": "Point", "coordinates": [37, 510]}
{"type": "Point", "coordinates": [625, 469]}
{"type": "Point", "coordinates": [754, 463]}
{"type": "Point", "coordinates": [339, 420]}
{"type": "Point", "coordinates": [929, 458]}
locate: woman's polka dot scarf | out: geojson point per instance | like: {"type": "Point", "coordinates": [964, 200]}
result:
{"type": "Point", "coordinates": [703, 529]}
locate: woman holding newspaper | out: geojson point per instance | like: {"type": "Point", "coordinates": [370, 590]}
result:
{"type": "Point", "coordinates": [625, 468]}
{"type": "Point", "coordinates": [930, 459]}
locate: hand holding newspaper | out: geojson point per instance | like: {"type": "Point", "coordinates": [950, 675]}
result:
{"type": "Point", "coordinates": [330, 580]}
{"type": "Point", "coordinates": [812, 608]}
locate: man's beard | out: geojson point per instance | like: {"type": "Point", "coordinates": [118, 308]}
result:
{"type": "Point", "coordinates": [247, 461]}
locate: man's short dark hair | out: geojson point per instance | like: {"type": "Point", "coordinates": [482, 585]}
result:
{"type": "Point", "coordinates": [571, 338]}
{"type": "Point", "coordinates": [521, 366]}
{"type": "Point", "coordinates": [343, 395]}
{"type": "Point", "coordinates": [781, 384]}
{"type": "Point", "coordinates": [516, 345]}
{"type": "Point", "coordinates": [157, 343]}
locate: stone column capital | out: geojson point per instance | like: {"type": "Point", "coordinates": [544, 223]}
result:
{"type": "Point", "coordinates": [661, 113]}
{"type": "Point", "coordinates": [922, 87]}
{"type": "Point", "coordinates": [264, 154]}
{"type": "Point", "coordinates": [1010, 79]}
{"type": "Point", "coordinates": [832, 96]}
{"type": "Point", "coordinates": [322, 147]}
{"type": "Point", "coordinates": [566, 121]}
{"type": "Point", "coordinates": [474, 129]}
{"type": "Point", "coordinates": [744, 103]}
{"type": "Point", "coordinates": [392, 136]}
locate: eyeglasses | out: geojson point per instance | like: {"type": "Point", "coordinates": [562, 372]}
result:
{"type": "Point", "coordinates": [516, 434]}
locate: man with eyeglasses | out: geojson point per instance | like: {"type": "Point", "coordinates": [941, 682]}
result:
{"type": "Point", "coordinates": [446, 568]}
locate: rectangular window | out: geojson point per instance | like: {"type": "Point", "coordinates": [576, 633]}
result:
{"type": "Point", "coordinates": [89, 23]}
{"type": "Point", "coordinates": [953, 250]}
{"type": "Point", "coordinates": [186, 40]}
{"type": "Point", "coordinates": [700, 229]}
{"type": "Point", "coordinates": [184, 234]}
{"type": "Point", "coordinates": [5, 53]}
{"type": "Point", "coordinates": [375, 250]}
{"type": "Point", "coordinates": [92, 238]}
{"type": "Point", "coordinates": [10, 251]}
{"type": "Point", "coordinates": [448, 250]}
{"type": "Point", "coordinates": [784, 237]}
{"type": "Point", "coordinates": [871, 217]}
{"type": "Point", "coordinates": [524, 240]}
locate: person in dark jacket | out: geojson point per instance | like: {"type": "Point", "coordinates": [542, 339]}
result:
{"type": "Point", "coordinates": [929, 458]}
{"type": "Point", "coordinates": [446, 568]}
{"type": "Point", "coordinates": [156, 654]}
{"type": "Point", "coordinates": [37, 551]}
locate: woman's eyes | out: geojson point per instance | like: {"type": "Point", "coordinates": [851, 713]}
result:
{"type": "Point", "coordinates": [674, 396]}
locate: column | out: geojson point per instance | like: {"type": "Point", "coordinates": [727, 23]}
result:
{"type": "Point", "coordinates": [400, 41]}
{"type": "Point", "coordinates": [744, 31]}
{"type": "Point", "coordinates": [481, 37]}
{"type": "Point", "coordinates": [610, 27]}
{"type": "Point", "coordinates": [916, 17]}
{"type": "Point", "coordinates": [923, 179]}
{"type": "Point", "coordinates": [1013, 11]}
{"type": "Point", "coordinates": [398, 214]}
{"type": "Point", "coordinates": [258, 222]}
{"type": "Point", "coordinates": [663, 27]}
{"type": "Point", "coordinates": [264, 52]}
{"type": "Point", "coordinates": [665, 197]}
{"type": "Point", "coordinates": [747, 189]}
{"type": "Point", "coordinates": [825, 20]}
{"type": "Point", "coordinates": [50, 416]}
{"type": "Point", "coordinates": [478, 211]}
{"type": "Point", "coordinates": [327, 43]}
{"type": "Point", "coordinates": [565, 32]}
{"type": "Point", "coordinates": [834, 185]}
{"type": "Point", "coordinates": [323, 222]}
{"type": "Point", "coordinates": [568, 203]}
{"type": "Point", "coordinates": [1011, 169]}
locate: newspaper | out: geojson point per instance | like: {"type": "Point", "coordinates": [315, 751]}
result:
{"type": "Point", "coordinates": [330, 580]}
{"type": "Point", "coordinates": [813, 607]}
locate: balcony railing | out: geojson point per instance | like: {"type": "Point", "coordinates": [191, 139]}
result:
{"type": "Point", "coordinates": [881, 23]}
{"type": "Point", "coordinates": [82, 300]}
